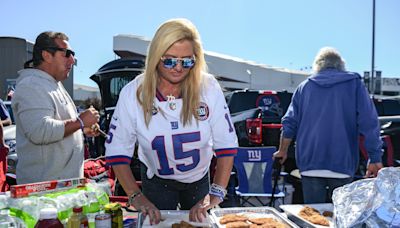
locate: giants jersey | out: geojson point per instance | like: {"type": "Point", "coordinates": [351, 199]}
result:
{"type": "Point", "coordinates": [169, 149]}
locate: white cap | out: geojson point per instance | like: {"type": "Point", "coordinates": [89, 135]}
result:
{"type": "Point", "coordinates": [48, 213]}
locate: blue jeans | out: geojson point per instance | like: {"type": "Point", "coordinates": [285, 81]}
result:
{"type": "Point", "coordinates": [166, 194]}
{"type": "Point", "coordinates": [320, 189]}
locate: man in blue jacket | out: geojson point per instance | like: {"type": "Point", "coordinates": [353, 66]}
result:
{"type": "Point", "coordinates": [328, 113]}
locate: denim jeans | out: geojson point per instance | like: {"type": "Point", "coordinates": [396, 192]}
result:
{"type": "Point", "coordinates": [320, 189]}
{"type": "Point", "coordinates": [166, 194]}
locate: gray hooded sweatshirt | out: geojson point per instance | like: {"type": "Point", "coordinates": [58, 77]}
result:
{"type": "Point", "coordinates": [40, 105]}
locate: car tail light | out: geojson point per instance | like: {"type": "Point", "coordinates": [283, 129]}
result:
{"type": "Point", "coordinates": [254, 130]}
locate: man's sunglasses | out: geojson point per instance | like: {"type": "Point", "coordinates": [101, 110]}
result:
{"type": "Point", "coordinates": [67, 52]}
{"type": "Point", "coordinates": [170, 63]}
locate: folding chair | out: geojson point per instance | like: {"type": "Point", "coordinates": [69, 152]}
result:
{"type": "Point", "coordinates": [254, 167]}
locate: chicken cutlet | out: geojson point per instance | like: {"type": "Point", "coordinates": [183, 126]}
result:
{"type": "Point", "coordinates": [312, 215]}
{"type": "Point", "coordinates": [271, 224]}
{"type": "Point", "coordinates": [232, 218]}
{"type": "Point", "coordinates": [237, 224]}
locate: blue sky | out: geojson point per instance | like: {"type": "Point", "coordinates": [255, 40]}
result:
{"type": "Point", "coordinates": [281, 33]}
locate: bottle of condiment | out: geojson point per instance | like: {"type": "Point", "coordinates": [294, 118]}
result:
{"type": "Point", "coordinates": [74, 221]}
{"type": "Point", "coordinates": [114, 209]}
{"type": "Point", "coordinates": [48, 219]}
{"type": "Point", "coordinates": [78, 219]}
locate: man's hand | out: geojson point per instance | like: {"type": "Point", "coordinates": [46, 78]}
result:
{"type": "Point", "coordinates": [280, 154]}
{"type": "Point", "coordinates": [372, 169]}
{"type": "Point", "coordinates": [283, 148]}
{"type": "Point", "coordinates": [90, 117]}
{"type": "Point", "coordinates": [92, 131]}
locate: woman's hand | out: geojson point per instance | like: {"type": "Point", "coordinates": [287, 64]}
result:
{"type": "Point", "coordinates": [142, 204]}
{"type": "Point", "coordinates": [198, 212]}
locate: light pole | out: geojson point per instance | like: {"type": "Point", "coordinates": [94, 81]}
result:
{"type": "Point", "coordinates": [249, 73]}
{"type": "Point", "coordinates": [373, 49]}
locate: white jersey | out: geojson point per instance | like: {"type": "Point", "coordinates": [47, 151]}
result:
{"type": "Point", "coordinates": [169, 149]}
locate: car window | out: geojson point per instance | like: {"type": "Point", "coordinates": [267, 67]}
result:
{"type": "Point", "coordinates": [112, 83]}
{"type": "Point", "coordinates": [391, 107]}
{"type": "Point", "coordinates": [116, 85]}
{"type": "Point", "coordinates": [387, 107]}
{"type": "Point", "coordinates": [273, 105]}
{"type": "Point", "coordinates": [242, 101]}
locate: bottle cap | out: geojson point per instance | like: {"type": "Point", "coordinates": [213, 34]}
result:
{"type": "Point", "coordinates": [48, 213]}
{"type": "Point", "coordinates": [77, 209]}
{"type": "Point", "coordinates": [112, 206]}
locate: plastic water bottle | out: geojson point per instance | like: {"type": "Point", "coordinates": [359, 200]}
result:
{"type": "Point", "coordinates": [6, 220]}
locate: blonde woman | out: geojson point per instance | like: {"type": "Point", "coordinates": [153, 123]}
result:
{"type": "Point", "coordinates": [178, 116]}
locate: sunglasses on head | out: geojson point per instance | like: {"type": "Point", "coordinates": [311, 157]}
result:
{"type": "Point", "coordinates": [67, 52]}
{"type": "Point", "coordinates": [170, 62]}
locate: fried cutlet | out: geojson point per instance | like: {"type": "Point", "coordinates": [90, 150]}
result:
{"type": "Point", "coordinates": [312, 215]}
{"type": "Point", "coordinates": [232, 218]}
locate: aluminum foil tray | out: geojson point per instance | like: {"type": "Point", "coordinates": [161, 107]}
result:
{"type": "Point", "coordinates": [293, 210]}
{"type": "Point", "coordinates": [256, 212]}
{"type": "Point", "coordinates": [170, 217]}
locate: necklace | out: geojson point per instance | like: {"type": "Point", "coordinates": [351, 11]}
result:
{"type": "Point", "coordinates": [171, 102]}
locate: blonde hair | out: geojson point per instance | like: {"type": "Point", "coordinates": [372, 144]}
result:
{"type": "Point", "coordinates": [328, 57]}
{"type": "Point", "coordinates": [167, 34]}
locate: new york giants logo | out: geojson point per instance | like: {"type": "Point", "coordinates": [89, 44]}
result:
{"type": "Point", "coordinates": [174, 125]}
{"type": "Point", "coordinates": [254, 155]}
{"type": "Point", "coordinates": [267, 101]}
{"type": "Point", "coordinates": [202, 111]}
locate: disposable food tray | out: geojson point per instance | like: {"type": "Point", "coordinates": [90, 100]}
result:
{"type": "Point", "coordinates": [170, 217]}
{"type": "Point", "coordinates": [292, 211]}
{"type": "Point", "coordinates": [255, 212]}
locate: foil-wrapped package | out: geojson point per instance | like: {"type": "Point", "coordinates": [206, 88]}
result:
{"type": "Point", "coordinates": [372, 202]}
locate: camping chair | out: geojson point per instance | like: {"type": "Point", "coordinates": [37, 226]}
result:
{"type": "Point", "coordinates": [254, 167]}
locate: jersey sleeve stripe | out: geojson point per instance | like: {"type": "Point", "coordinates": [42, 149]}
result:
{"type": "Point", "coordinates": [118, 160]}
{"type": "Point", "coordinates": [225, 152]}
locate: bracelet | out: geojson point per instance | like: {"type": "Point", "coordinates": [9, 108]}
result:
{"type": "Point", "coordinates": [80, 122]}
{"type": "Point", "coordinates": [218, 190]}
{"type": "Point", "coordinates": [221, 197]}
{"type": "Point", "coordinates": [132, 197]}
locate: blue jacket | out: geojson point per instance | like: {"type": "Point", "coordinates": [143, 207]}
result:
{"type": "Point", "coordinates": [327, 114]}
